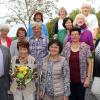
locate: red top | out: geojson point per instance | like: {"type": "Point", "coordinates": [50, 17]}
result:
{"type": "Point", "coordinates": [74, 67]}
{"type": "Point", "coordinates": [9, 40]}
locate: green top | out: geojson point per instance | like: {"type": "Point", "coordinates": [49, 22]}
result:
{"type": "Point", "coordinates": [61, 35]}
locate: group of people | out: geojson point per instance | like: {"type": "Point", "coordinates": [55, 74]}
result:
{"type": "Point", "coordinates": [55, 69]}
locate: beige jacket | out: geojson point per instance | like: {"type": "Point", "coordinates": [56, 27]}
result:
{"type": "Point", "coordinates": [61, 76]}
{"type": "Point", "coordinates": [30, 87]}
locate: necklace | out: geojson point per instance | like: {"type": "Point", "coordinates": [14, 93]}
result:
{"type": "Point", "coordinates": [75, 47]}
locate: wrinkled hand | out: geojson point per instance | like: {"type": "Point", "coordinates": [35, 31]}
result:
{"type": "Point", "coordinates": [86, 82]}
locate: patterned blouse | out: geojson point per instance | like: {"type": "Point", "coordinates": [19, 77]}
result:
{"type": "Point", "coordinates": [84, 54]}
{"type": "Point", "coordinates": [38, 49]}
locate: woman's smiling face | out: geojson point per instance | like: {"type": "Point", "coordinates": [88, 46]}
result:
{"type": "Point", "coordinates": [80, 20]}
{"type": "Point", "coordinates": [54, 49]}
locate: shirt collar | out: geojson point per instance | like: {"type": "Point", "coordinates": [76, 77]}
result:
{"type": "Point", "coordinates": [39, 38]}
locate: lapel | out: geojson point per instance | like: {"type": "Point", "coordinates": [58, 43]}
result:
{"type": "Point", "coordinates": [4, 56]}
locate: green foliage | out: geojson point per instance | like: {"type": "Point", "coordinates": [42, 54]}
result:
{"type": "Point", "coordinates": [74, 13]}
{"type": "Point", "coordinates": [92, 10]}
{"type": "Point", "coordinates": [51, 27]}
{"type": "Point", "coordinates": [98, 17]}
{"type": "Point", "coordinates": [77, 11]}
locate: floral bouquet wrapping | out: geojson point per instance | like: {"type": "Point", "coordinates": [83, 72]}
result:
{"type": "Point", "coordinates": [23, 75]}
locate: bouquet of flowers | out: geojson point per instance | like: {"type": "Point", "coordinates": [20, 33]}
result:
{"type": "Point", "coordinates": [23, 74]}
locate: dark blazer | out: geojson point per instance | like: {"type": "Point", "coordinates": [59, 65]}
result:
{"type": "Point", "coordinates": [96, 70]}
{"type": "Point", "coordinates": [7, 60]}
{"type": "Point", "coordinates": [56, 26]}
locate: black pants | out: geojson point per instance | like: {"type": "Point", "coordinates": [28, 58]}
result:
{"type": "Point", "coordinates": [77, 91]}
{"type": "Point", "coordinates": [3, 89]}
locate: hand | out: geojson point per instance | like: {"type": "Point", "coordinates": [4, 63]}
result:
{"type": "Point", "coordinates": [65, 98]}
{"type": "Point", "coordinates": [21, 87]}
{"type": "Point", "coordinates": [41, 94]}
{"type": "Point", "coordinates": [87, 82]}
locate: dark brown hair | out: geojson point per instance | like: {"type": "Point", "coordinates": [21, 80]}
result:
{"type": "Point", "coordinates": [75, 28]}
{"type": "Point", "coordinates": [24, 44]}
{"type": "Point", "coordinates": [65, 20]}
{"type": "Point", "coordinates": [57, 42]}
{"type": "Point", "coordinates": [38, 13]}
{"type": "Point", "coordinates": [21, 29]}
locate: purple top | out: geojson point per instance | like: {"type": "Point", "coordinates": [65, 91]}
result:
{"type": "Point", "coordinates": [1, 64]}
{"type": "Point", "coordinates": [86, 36]}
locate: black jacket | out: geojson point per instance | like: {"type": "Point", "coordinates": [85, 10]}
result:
{"type": "Point", "coordinates": [96, 70]}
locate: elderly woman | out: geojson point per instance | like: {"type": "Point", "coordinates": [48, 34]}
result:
{"type": "Point", "coordinates": [4, 39]}
{"type": "Point", "coordinates": [21, 36]}
{"type": "Point", "coordinates": [55, 74]}
{"type": "Point", "coordinates": [38, 44]}
{"type": "Point", "coordinates": [38, 47]}
{"type": "Point", "coordinates": [91, 19]}
{"type": "Point", "coordinates": [60, 31]}
{"type": "Point", "coordinates": [23, 90]}
{"type": "Point", "coordinates": [86, 35]}
{"type": "Point", "coordinates": [78, 56]}
{"type": "Point", "coordinates": [38, 17]}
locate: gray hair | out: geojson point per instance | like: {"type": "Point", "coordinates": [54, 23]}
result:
{"type": "Point", "coordinates": [4, 27]}
{"type": "Point", "coordinates": [62, 8]}
{"type": "Point", "coordinates": [85, 5]}
{"type": "Point", "coordinates": [36, 24]}
{"type": "Point", "coordinates": [78, 15]}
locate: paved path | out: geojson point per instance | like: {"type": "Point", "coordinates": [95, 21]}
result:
{"type": "Point", "coordinates": [89, 95]}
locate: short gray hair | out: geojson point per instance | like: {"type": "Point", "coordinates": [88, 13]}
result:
{"type": "Point", "coordinates": [62, 8]}
{"type": "Point", "coordinates": [36, 24]}
{"type": "Point", "coordinates": [4, 27]}
{"type": "Point", "coordinates": [85, 5]}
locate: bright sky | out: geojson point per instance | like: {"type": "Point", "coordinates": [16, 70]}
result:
{"type": "Point", "coordinates": [68, 4]}
{"type": "Point", "coordinates": [73, 4]}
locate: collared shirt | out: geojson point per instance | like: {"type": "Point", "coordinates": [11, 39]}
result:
{"type": "Point", "coordinates": [60, 26]}
{"type": "Point", "coordinates": [38, 49]}
{"type": "Point", "coordinates": [1, 64]}
{"type": "Point", "coordinates": [92, 22]}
